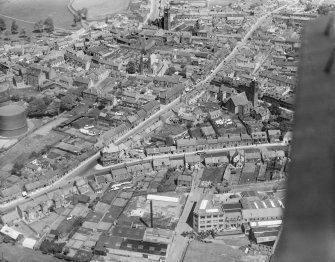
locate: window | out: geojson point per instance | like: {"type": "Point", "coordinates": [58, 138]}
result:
{"type": "Point", "coordinates": [140, 247]}
{"type": "Point", "coordinates": [129, 245]}
{"type": "Point", "coordinates": [202, 226]}
{"type": "Point", "coordinates": [208, 226]}
{"type": "Point", "coordinates": [202, 217]}
{"type": "Point", "coordinates": [151, 248]}
{"type": "Point", "coordinates": [215, 215]}
{"type": "Point", "coordinates": [209, 216]}
{"type": "Point", "coordinates": [220, 220]}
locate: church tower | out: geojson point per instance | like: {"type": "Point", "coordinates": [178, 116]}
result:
{"type": "Point", "coordinates": [167, 19]}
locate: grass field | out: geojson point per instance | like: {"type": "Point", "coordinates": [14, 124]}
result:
{"type": "Point", "coordinates": [21, 254]}
{"type": "Point", "coordinates": [27, 145]}
{"type": "Point", "coordinates": [199, 252]}
{"type": "Point", "coordinates": [35, 10]}
{"type": "Point", "coordinates": [98, 9]}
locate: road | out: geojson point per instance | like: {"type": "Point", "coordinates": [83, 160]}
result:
{"type": "Point", "coordinates": [243, 41]}
{"type": "Point", "coordinates": [179, 243]}
{"type": "Point", "coordinates": [154, 9]}
{"type": "Point", "coordinates": [86, 167]}
{"type": "Point", "coordinates": [148, 121]}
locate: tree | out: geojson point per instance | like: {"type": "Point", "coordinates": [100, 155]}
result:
{"type": "Point", "coordinates": [38, 26]}
{"type": "Point", "coordinates": [7, 35]}
{"type": "Point", "coordinates": [274, 109]}
{"type": "Point", "coordinates": [67, 102]}
{"type": "Point", "coordinates": [23, 33]}
{"type": "Point", "coordinates": [47, 100]}
{"type": "Point", "coordinates": [285, 126]}
{"type": "Point", "coordinates": [16, 170]}
{"type": "Point", "coordinates": [308, 7]}
{"type": "Point", "coordinates": [49, 25]}
{"type": "Point", "coordinates": [131, 69]}
{"type": "Point", "coordinates": [2, 25]}
{"type": "Point", "coordinates": [36, 108]}
{"type": "Point", "coordinates": [14, 28]}
{"type": "Point", "coordinates": [84, 12]}
{"type": "Point", "coordinates": [324, 9]}
{"type": "Point", "coordinates": [170, 71]}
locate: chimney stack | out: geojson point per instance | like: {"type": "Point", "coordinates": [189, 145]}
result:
{"type": "Point", "coordinates": [151, 215]}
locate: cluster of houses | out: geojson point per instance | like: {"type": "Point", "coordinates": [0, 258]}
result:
{"type": "Point", "coordinates": [241, 159]}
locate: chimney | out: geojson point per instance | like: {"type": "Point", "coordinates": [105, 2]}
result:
{"type": "Point", "coordinates": [151, 215]}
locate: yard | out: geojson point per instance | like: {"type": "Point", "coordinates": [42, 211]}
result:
{"type": "Point", "coordinates": [44, 223]}
{"type": "Point", "coordinates": [218, 252]}
{"type": "Point", "coordinates": [169, 182]}
{"type": "Point", "coordinates": [20, 254]}
{"type": "Point", "coordinates": [213, 174]}
{"type": "Point", "coordinates": [32, 143]}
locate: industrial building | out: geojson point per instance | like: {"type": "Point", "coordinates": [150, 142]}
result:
{"type": "Point", "coordinates": [213, 213]}
{"type": "Point", "coordinates": [13, 121]}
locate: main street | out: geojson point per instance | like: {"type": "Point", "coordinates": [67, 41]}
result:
{"type": "Point", "coordinates": [209, 151]}
{"type": "Point", "coordinates": [180, 243]}
{"type": "Point", "coordinates": [84, 169]}
{"type": "Point", "coordinates": [87, 164]}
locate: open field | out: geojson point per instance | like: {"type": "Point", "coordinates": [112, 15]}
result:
{"type": "Point", "coordinates": [47, 128]}
{"type": "Point", "coordinates": [21, 254]}
{"type": "Point", "coordinates": [198, 252]}
{"type": "Point", "coordinates": [32, 11]}
{"type": "Point", "coordinates": [27, 145]}
{"type": "Point", "coordinates": [98, 9]}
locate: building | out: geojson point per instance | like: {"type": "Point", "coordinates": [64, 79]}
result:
{"type": "Point", "coordinates": [120, 174]}
{"type": "Point", "coordinates": [261, 210]}
{"type": "Point", "coordinates": [123, 246]}
{"type": "Point", "coordinates": [259, 137]}
{"type": "Point", "coordinates": [72, 58]}
{"type": "Point", "coordinates": [212, 213]}
{"type": "Point", "coordinates": [111, 154]}
{"type": "Point", "coordinates": [10, 218]}
{"type": "Point", "coordinates": [168, 95]}
{"type": "Point", "coordinates": [35, 76]}
{"type": "Point", "coordinates": [239, 104]}
{"type": "Point", "coordinates": [167, 19]}
{"type": "Point", "coordinates": [184, 180]}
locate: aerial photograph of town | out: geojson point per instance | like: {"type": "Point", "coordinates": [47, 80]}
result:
{"type": "Point", "coordinates": [157, 130]}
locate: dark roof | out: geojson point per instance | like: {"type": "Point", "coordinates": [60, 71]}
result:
{"type": "Point", "coordinates": [240, 99]}
{"type": "Point", "coordinates": [128, 232]}
{"type": "Point", "coordinates": [144, 247]}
